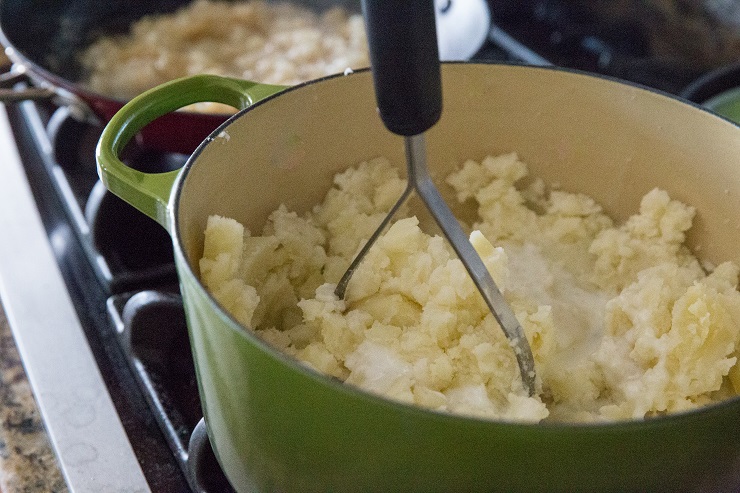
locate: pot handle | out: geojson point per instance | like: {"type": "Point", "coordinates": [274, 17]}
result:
{"type": "Point", "coordinates": [150, 192]}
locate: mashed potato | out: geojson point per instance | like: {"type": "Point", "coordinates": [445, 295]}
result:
{"type": "Point", "coordinates": [623, 321]}
{"type": "Point", "coordinates": [273, 43]}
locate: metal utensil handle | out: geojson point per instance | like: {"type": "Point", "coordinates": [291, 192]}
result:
{"type": "Point", "coordinates": [404, 56]}
{"type": "Point", "coordinates": [419, 176]}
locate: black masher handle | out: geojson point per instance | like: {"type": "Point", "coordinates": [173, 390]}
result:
{"type": "Point", "coordinates": [404, 58]}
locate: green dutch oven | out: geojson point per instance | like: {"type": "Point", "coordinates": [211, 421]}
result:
{"type": "Point", "coordinates": [276, 425]}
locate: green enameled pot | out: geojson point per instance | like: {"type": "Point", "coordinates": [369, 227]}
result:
{"type": "Point", "coordinates": [277, 426]}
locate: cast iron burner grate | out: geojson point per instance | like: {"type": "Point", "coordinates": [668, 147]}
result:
{"type": "Point", "coordinates": [153, 334]}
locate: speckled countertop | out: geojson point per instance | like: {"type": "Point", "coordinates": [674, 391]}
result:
{"type": "Point", "coordinates": [27, 461]}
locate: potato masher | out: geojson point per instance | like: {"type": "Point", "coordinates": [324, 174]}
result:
{"type": "Point", "coordinates": [406, 73]}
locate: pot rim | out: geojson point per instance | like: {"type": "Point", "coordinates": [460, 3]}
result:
{"type": "Point", "coordinates": [354, 391]}
{"type": "Point", "coordinates": [712, 84]}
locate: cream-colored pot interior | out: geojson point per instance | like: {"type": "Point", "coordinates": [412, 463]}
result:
{"type": "Point", "coordinates": [612, 141]}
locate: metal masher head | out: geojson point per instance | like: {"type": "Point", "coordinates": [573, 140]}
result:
{"type": "Point", "coordinates": [406, 73]}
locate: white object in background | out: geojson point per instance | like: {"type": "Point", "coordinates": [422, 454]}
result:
{"type": "Point", "coordinates": [462, 27]}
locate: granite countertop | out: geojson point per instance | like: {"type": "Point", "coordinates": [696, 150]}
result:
{"type": "Point", "coordinates": [27, 461]}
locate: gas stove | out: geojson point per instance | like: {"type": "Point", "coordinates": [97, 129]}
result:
{"type": "Point", "coordinates": [90, 289]}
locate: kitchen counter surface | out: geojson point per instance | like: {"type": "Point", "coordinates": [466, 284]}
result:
{"type": "Point", "coordinates": [27, 461]}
